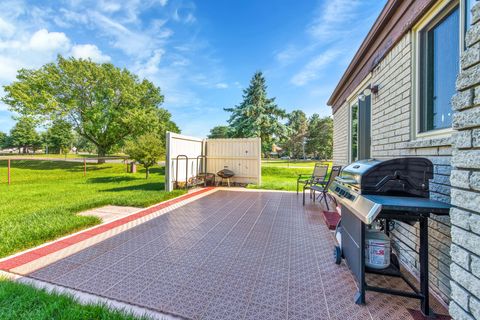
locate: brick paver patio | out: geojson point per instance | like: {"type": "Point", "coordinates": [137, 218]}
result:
{"type": "Point", "coordinates": [227, 255]}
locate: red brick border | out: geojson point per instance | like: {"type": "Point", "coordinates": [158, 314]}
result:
{"type": "Point", "coordinates": [34, 254]}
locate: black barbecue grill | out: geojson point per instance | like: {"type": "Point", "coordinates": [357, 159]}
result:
{"type": "Point", "coordinates": [225, 174]}
{"type": "Point", "coordinates": [383, 191]}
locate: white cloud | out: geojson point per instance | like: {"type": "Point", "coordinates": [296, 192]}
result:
{"type": "Point", "coordinates": [289, 54]}
{"type": "Point", "coordinates": [9, 67]}
{"type": "Point", "coordinates": [150, 67]}
{"type": "Point", "coordinates": [6, 29]}
{"type": "Point", "coordinates": [331, 19]}
{"type": "Point", "coordinates": [3, 107]}
{"type": "Point", "coordinates": [89, 51]}
{"type": "Point", "coordinates": [184, 13]}
{"type": "Point", "coordinates": [221, 85]}
{"type": "Point", "coordinates": [312, 70]}
{"type": "Point", "coordinates": [25, 49]}
{"type": "Point", "coordinates": [139, 44]}
{"type": "Point", "coordinates": [43, 40]}
{"type": "Point", "coordinates": [109, 6]}
{"type": "Point", "coordinates": [67, 18]}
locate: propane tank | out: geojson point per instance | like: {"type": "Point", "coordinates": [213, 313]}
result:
{"type": "Point", "coordinates": [377, 249]}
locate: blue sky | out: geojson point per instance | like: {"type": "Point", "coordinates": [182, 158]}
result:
{"type": "Point", "coordinates": [200, 53]}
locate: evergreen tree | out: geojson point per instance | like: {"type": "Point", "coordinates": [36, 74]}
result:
{"type": "Point", "coordinates": [219, 132]}
{"type": "Point", "coordinates": [297, 126]}
{"type": "Point", "coordinates": [320, 137]}
{"type": "Point", "coordinates": [257, 115]}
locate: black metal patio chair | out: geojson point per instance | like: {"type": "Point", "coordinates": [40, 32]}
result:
{"type": "Point", "coordinates": [318, 176]}
{"type": "Point", "coordinates": [323, 189]}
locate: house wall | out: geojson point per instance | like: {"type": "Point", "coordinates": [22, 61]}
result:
{"type": "Point", "coordinates": [392, 137]}
{"type": "Point", "coordinates": [340, 136]}
{"type": "Point", "coordinates": [465, 179]}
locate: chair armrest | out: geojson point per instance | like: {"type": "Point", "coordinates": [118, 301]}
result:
{"type": "Point", "coordinates": [302, 175]}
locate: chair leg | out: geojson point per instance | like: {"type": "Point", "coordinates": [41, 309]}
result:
{"type": "Point", "coordinates": [303, 196]}
{"type": "Point", "coordinates": [333, 199]}
{"type": "Point", "coordinates": [326, 202]}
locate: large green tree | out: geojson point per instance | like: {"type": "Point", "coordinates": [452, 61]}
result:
{"type": "Point", "coordinates": [103, 103]}
{"type": "Point", "coordinates": [82, 144]}
{"type": "Point", "coordinates": [219, 132]}
{"type": "Point", "coordinates": [163, 124]}
{"type": "Point", "coordinates": [59, 136]}
{"type": "Point", "coordinates": [3, 140]}
{"type": "Point", "coordinates": [320, 137]}
{"type": "Point", "coordinates": [297, 126]}
{"type": "Point", "coordinates": [24, 136]}
{"type": "Point", "coordinates": [257, 115]}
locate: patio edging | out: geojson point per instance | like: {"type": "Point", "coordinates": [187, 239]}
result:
{"type": "Point", "coordinates": [30, 255]}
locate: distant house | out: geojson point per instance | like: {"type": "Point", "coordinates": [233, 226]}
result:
{"type": "Point", "coordinates": [395, 100]}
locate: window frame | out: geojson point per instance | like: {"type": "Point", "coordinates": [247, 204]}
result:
{"type": "Point", "coordinates": [352, 100]}
{"type": "Point", "coordinates": [437, 13]}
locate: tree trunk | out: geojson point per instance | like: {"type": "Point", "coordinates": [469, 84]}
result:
{"type": "Point", "coordinates": [147, 171]}
{"type": "Point", "coordinates": [101, 155]}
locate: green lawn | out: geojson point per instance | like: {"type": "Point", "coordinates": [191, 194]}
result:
{"type": "Point", "coordinates": [288, 163]}
{"type": "Point", "coordinates": [19, 301]}
{"type": "Point", "coordinates": [283, 174]}
{"type": "Point", "coordinates": [44, 197]}
{"type": "Point", "coordinates": [50, 155]}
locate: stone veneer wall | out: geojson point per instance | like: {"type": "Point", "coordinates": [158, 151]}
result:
{"type": "Point", "coordinates": [465, 179]}
{"type": "Point", "coordinates": [392, 137]}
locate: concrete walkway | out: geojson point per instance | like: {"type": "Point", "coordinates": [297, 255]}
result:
{"type": "Point", "coordinates": [110, 213]}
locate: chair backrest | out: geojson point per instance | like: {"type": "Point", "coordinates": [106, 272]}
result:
{"type": "Point", "coordinates": [320, 171]}
{"type": "Point", "coordinates": [335, 173]}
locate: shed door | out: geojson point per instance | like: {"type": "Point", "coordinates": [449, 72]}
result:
{"type": "Point", "coordinates": [364, 128]}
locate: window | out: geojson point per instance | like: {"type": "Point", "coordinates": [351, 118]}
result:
{"type": "Point", "coordinates": [439, 66]}
{"type": "Point", "coordinates": [468, 13]}
{"type": "Point", "coordinates": [354, 133]}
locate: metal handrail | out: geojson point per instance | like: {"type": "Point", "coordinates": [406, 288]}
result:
{"type": "Point", "coordinates": [186, 170]}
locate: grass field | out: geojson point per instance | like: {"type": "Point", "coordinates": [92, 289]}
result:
{"type": "Point", "coordinates": [44, 197]}
{"type": "Point", "coordinates": [50, 155]}
{"type": "Point", "coordinates": [288, 163]}
{"type": "Point", "coordinates": [18, 301]}
{"type": "Point", "coordinates": [283, 174]}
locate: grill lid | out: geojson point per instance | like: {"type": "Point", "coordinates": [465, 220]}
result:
{"type": "Point", "coordinates": [225, 173]}
{"type": "Point", "coordinates": [400, 176]}
{"type": "Point", "coordinates": [352, 174]}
